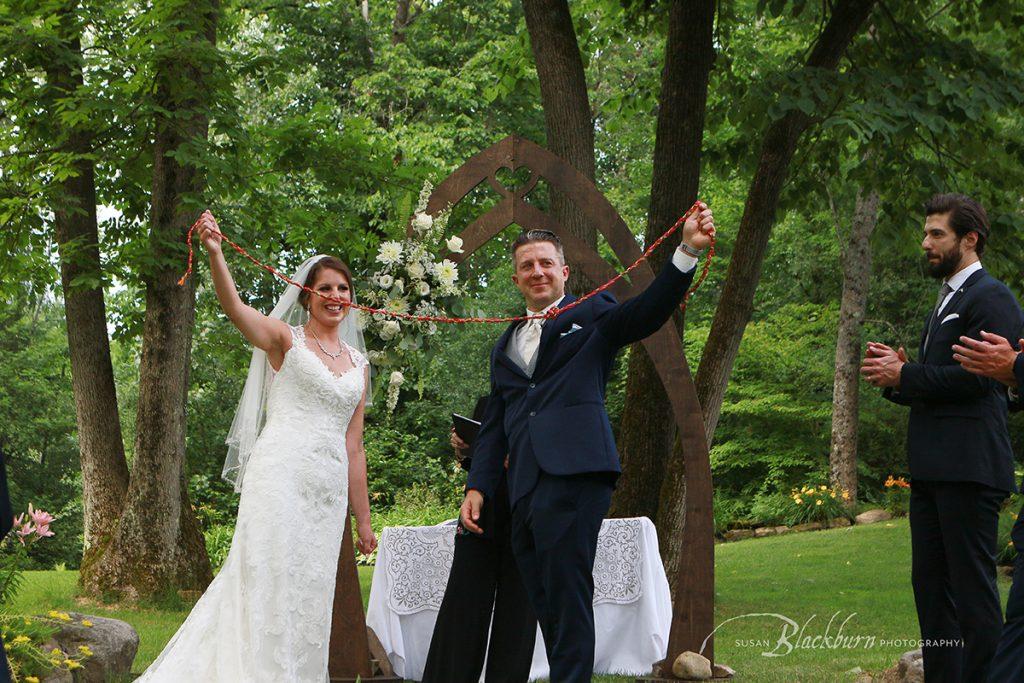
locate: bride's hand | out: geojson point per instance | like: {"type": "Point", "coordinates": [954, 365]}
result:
{"type": "Point", "coordinates": [209, 232]}
{"type": "Point", "coordinates": [367, 542]}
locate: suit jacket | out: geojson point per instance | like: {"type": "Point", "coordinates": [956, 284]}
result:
{"type": "Point", "coordinates": [957, 429]}
{"type": "Point", "coordinates": [555, 421]}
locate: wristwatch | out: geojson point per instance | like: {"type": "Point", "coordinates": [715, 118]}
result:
{"type": "Point", "coordinates": [687, 249]}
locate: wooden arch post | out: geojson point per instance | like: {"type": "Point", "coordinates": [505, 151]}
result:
{"type": "Point", "coordinates": [693, 611]}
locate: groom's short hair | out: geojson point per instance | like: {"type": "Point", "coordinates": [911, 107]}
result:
{"type": "Point", "coordinates": [531, 236]}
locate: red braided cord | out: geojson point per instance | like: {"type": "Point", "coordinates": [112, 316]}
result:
{"type": "Point", "coordinates": [552, 313]}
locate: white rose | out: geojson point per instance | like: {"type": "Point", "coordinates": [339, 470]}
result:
{"type": "Point", "coordinates": [416, 270]}
{"type": "Point", "coordinates": [396, 378]}
{"type": "Point", "coordinates": [424, 288]}
{"type": "Point", "coordinates": [454, 244]}
{"type": "Point", "coordinates": [400, 286]}
{"type": "Point", "coordinates": [422, 222]}
{"type": "Point", "coordinates": [390, 329]}
{"type": "Point", "coordinates": [385, 281]}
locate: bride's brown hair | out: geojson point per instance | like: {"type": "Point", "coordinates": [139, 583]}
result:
{"type": "Point", "coordinates": [328, 263]}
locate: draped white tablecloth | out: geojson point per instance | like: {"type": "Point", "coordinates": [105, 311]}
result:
{"type": "Point", "coordinates": [632, 607]}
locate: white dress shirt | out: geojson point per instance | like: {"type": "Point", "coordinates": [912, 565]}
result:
{"type": "Point", "coordinates": [956, 281]}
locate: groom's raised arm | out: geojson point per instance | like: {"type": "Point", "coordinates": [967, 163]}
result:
{"type": "Point", "coordinates": [645, 313]}
{"type": "Point", "coordinates": [490, 446]}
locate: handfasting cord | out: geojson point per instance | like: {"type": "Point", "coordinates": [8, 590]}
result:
{"type": "Point", "coordinates": [552, 313]}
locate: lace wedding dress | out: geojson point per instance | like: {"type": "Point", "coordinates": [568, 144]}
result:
{"type": "Point", "coordinates": [267, 614]}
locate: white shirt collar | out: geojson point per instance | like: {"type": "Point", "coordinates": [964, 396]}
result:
{"type": "Point", "coordinates": [529, 312]}
{"type": "Point", "coordinates": [957, 280]}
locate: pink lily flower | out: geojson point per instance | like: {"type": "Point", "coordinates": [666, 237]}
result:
{"type": "Point", "coordinates": [43, 531]}
{"type": "Point", "coordinates": [26, 530]}
{"type": "Point", "coordinates": [39, 517]}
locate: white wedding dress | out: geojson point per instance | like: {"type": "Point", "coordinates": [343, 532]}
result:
{"type": "Point", "coordinates": [267, 614]}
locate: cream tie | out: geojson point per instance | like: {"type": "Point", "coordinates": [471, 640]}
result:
{"type": "Point", "coordinates": [529, 339]}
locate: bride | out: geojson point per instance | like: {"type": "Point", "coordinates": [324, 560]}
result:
{"type": "Point", "coordinates": [296, 455]}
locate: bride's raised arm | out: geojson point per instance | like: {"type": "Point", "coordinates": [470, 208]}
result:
{"type": "Point", "coordinates": [263, 332]}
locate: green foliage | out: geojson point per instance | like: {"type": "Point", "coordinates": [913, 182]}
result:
{"type": "Point", "coordinates": [37, 424]}
{"type": "Point", "coordinates": [218, 543]}
{"type": "Point", "coordinates": [417, 505]}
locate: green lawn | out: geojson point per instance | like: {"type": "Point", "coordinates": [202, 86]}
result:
{"type": "Point", "coordinates": [861, 571]}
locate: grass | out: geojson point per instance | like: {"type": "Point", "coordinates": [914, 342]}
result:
{"type": "Point", "coordinates": [863, 571]}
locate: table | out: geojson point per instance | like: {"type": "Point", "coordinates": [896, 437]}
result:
{"type": "Point", "coordinates": [632, 605]}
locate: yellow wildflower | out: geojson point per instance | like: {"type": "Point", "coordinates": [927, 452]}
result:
{"type": "Point", "coordinates": [31, 679]}
{"type": "Point", "coordinates": [21, 639]}
{"type": "Point", "coordinates": [824, 488]}
{"type": "Point", "coordinates": [833, 494]}
{"type": "Point", "coordinates": [56, 652]}
{"type": "Point", "coordinates": [72, 665]}
{"type": "Point", "coordinates": [818, 502]}
{"type": "Point", "coordinates": [799, 501]}
{"type": "Point", "coordinates": [86, 623]}
{"type": "Point", "coordinates": [846, 495]}
{"type": "Point", "coordinates": [84, 649]}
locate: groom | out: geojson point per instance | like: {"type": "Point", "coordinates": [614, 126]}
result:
{"type": "Point", "coordinates": [546, 410]}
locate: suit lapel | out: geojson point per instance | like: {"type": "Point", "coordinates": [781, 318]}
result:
{"type": "Point", "coordinates": [953, 306]}
{"type": "Point", "coordinates": [547, 337]}
{"type": "Point", "coordinates": [503, 357]}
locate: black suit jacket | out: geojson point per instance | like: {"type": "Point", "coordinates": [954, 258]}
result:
{"type": "Point", "coordinates": [957, 429]}
{"type": "Point", "coordinates": [555, 421]}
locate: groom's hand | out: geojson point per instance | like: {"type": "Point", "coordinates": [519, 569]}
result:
{"type": "Point", "coordinates": [470, 511]}
{"type": "Point", "coordinates": [699, 228]}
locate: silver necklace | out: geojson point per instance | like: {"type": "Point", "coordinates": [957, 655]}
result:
{"type": "Point", "coordinates": [334, 356]}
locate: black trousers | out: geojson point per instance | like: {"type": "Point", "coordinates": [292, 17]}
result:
{"type": "Point", "coordinates": [554, 537]}
{"type": "Point", "coordinates": [484, 574]}
{"type": "Point", "coordinates": [953, 530]}
{"type": "Point", "coordinates": [1008, 664]}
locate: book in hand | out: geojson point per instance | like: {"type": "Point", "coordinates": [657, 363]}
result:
{"type": "Point", "coordinates": [466, 428]}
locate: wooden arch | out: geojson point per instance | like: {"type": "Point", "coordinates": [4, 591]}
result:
{"type": "Point", "coordinates": [693, 612]}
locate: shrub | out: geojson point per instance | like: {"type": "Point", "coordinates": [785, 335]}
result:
{"type": "Point", "coordinates": [817, 504]}
{"type": "Point", "coordinates": [415, 506]}
{"type": "Point", "coordinates": [1006, 554]}
{"type": "Point", "coordinates": [218, 543]}
{"type": "Point", "coordinates": [896, 498]}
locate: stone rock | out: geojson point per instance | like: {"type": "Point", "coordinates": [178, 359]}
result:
{"type": "Point", "coordinates": [872, 516]}
{"type": "Point", "coordinates": [722, 671]}
{"type": "Point", "coordinates": [739, 534]}
{"type": "Point", "coordinates": [692, 666]}
{"type": "Point", "coordinates": [810, 526]}
{"type": "Point", "coordinates": [839, 522]}
{"type": "Point", "coordinates": [763, 531]}
{"type": "Point", "coordinates": [113, 644]}
{"type": "Point", "coordinates": [911, 667]}
{"type": "Point", "coordinates": [779, 530]}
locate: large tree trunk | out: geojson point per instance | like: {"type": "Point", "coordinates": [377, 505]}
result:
{"type": "Point", "coordinates": [567, 119]}
{"type": "Point", "coordinates": [736, 304]}
{"type": "Point", "coordinates": [648, 428]}
{"type": "Point", "coordinates": [100, 443]}
{"type": "Point", "coordinates": [158, 545]}
{"type": "Point", "coordinates": [856, 259]}
{"type": "Point", "coordinates": [400, 22]}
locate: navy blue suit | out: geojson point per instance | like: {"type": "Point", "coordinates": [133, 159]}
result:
{"type": "Point", "coordinates": [961, 469]}
{"type": "Point", "coordinates": [1008, 664]}
{"type": "Point", "coordinates": [563, 461]}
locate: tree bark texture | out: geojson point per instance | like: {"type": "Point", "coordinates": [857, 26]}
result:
{"type": "Point", "coordinates": [100, 442]}
{"type": "Point", "coordinates": [736, 303]}
{"type": "Point", "coordinates": [158, 545]}
{"type": "Point", "coordinates": [856, 257]}
{"type": "Point", "coordinates": [567, 118]}
{"type": "Point", "coordinates": [647, 429]}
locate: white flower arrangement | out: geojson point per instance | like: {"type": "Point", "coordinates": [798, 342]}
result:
{"type": "Point", "coordinates": [408, 280]}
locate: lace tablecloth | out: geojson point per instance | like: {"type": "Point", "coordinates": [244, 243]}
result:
{"type": "Point", "coordinates": [632, 608]}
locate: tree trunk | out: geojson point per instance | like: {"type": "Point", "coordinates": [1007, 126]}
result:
{"type": "Point", "coordinates": [647, 430]}
{"type": "Point", "coordinates": [100, 443]}
{"type": "Point", "coordinates": [736, 304]}
{"type": "Point", "coordinates": [158, 545]}
{"type": "Point", "coordinates": [856, 258]}
{"type": "Point", "coordinates": [400, 22]}
{"type": "Point", "coordinates": [567, 119]}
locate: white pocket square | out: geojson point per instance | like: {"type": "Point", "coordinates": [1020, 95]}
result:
{"type": "Point", "coordinates": [574, 328]}
{"type": "Point", "coordinates": [951, 316]}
